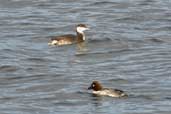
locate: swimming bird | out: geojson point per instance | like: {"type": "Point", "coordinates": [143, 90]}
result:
{"type": "Point", "coordinates": [70, 38]}
{"type": "Point", "coordinates": [99, 90]}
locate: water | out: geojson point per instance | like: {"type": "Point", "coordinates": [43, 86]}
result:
{"type": "Point", "coordinates": [128, 47]}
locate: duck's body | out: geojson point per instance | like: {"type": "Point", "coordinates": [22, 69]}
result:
{"type": "Point", "coordinates": [110, 92]}
{"type": "Point", "coordinates": [63, 40]}
{"type": "Point", "coordinates": [70, 38]}
{"type": "Point", "coordinates": [99, 90]}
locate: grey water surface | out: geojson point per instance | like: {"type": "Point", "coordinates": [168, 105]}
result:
{"type": "Point", "coordinates": [128, 47]}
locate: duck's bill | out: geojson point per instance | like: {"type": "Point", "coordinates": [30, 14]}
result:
{"type": "Point", "coordinates": [90, 87]}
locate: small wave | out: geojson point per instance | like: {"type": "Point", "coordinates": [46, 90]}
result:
{"type": "Point", "coordinates": [147, 97]}
{"type": "Point", "coordinates": [101, 52]}
{"type": "Point", "coordinates": [94, 53]}
{"type": "Point", "coordinates": [8, 50]}
{"type": "Point", "coordinates": [36, 59]}
{"type": "Point", "coordinates": [146, 2]}
{"type": "Point", "coordinates": [120, 80]}
{"type": "Point", "coordinates": [103, 3]}
{"type": "Point", "coordinates": [168, 98]}
{"type": "Point", "coordinates": [30, 0]}
{"type": "Point", "coordinates": [156, 40]}
{"type": "Point", "coordinates": [99, 40]}
{"type": "Point", "coordinates": [8, 68]}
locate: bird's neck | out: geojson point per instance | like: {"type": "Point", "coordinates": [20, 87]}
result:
{"type": "Point", "coordinates": [98, 88]}
{"type": "Point", "coordinates": [80, 36]}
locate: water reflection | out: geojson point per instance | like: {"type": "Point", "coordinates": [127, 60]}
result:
{"type": "Point", "coordinates": [81, 48]}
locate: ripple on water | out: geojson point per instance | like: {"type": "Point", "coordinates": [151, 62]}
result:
{"type": "Point", "coordinates": [8, 68]}
{"type": "Point", "coordinates": [119, 80]}
{"type": "Point", "coordinates": [36, 59]}
{"type": "Point", "coordinates": [128, 47]}
{"type": "Point", "coordinates": [103, 3]}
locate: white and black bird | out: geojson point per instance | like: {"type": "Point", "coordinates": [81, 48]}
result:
{"type": "Point", "coordinates": [99, 90]}
{"type": "Point", "coordinates": [70, 38]}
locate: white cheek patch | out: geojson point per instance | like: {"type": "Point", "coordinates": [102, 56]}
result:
{"type": "Point", "coordinates": [81, 29]}
{"type": "Point", "coordinates": [93, 85]}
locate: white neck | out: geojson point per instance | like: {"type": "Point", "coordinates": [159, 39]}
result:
{"type": "Point", "coordinates": [83, 36]}
{"type": "Point", "coordinates": [81, 30]}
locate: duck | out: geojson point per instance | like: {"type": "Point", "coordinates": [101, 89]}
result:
{"type": "Point", "coordinates": [70, 38]}
{"type": "Point", "coordinates": [100, 91]}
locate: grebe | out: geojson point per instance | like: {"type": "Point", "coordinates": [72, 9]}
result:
{"type": "Point", "coordinates": [70, 38]}
{"type": "Point", "coordinates": [99, 90]}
